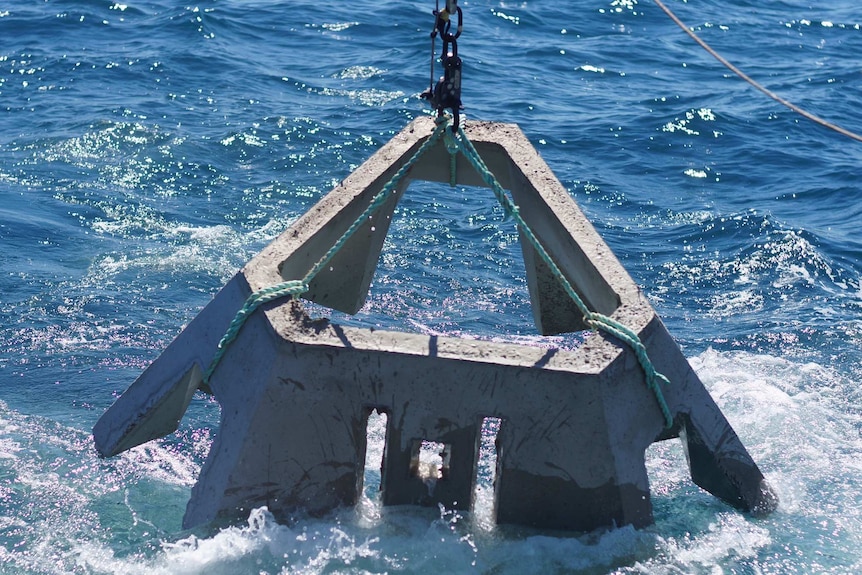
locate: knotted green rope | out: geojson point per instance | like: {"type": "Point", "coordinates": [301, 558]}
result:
{"type": "Point", "coordinates": [593, 319]}
{"type": "Point", "coordinates": [295, 288]}
{"type": "Point", "coordinates": [254, 301]}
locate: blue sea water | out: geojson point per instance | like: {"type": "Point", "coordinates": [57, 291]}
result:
{"type": "Point", "coordinates": [149, 149]}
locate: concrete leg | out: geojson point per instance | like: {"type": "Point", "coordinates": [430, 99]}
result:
{"type": "Point", "coordinates": [154, 404]}
{"type": "Point", "coordinates": [718, 461]}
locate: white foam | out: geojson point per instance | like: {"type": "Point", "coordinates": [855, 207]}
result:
{"type": "Point", "coordinates": [791, 415]}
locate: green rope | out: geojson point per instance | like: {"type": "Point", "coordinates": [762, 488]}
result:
{"type": "Point", "coordinates": [295, 288]}
{"type": "Point", "coordinates": [593, 319]}
{"type": "Point", "coordinates": [254, 301]}
{"type": "Point", "coordinates": [452, 148]}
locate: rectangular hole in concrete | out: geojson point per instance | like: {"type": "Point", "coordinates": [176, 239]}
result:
{"type": "Point", "coordinates": [375, 437]}
{"type": "Point", "coordinates": [486, 472]}
{"type": "Point", "coordinates": [430, 461]}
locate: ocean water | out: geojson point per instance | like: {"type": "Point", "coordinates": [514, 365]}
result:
{"type": "Point", "coordinates": [148, 149]}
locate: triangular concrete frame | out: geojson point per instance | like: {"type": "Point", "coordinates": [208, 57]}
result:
{"type": "Point", "coordinates": [518, 167]}
{"type": "Point", "coordinates": [296, 394]}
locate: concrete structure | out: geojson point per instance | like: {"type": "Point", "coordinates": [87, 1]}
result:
{"type": "Point", "coordinates": [296, 393]}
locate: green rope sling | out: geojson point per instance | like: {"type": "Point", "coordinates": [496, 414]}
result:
{"type": "Point", "coordinates": [454, 144]}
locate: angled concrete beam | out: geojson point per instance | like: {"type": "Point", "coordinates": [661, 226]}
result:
{"type": "Point", "coordinates": [154, 404]}
{"type": "Point", "coordinates": [296, 393]}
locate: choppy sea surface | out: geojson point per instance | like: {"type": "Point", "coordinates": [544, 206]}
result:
{"type": "Point", "coordinates": [148, 149]}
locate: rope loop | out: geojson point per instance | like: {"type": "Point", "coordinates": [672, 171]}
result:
{"type": "Point", "coordinates": [623, 333]}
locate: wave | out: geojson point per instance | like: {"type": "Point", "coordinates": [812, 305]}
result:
{"type": "Point", "coordinates": [793, 416]}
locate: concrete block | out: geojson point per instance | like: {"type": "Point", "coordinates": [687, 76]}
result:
{"type": "Point", "coordinates": [296, 393]}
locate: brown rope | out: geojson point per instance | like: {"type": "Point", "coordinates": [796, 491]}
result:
{"type": "Point", "coordinates": [754, 83]}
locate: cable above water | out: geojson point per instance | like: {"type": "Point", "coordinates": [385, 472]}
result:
{"type": "Point", "coordinates": [747, 78]}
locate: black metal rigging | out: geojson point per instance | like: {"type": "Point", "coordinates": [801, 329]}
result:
{"type": "Point", "coordinates": [447, 92]}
